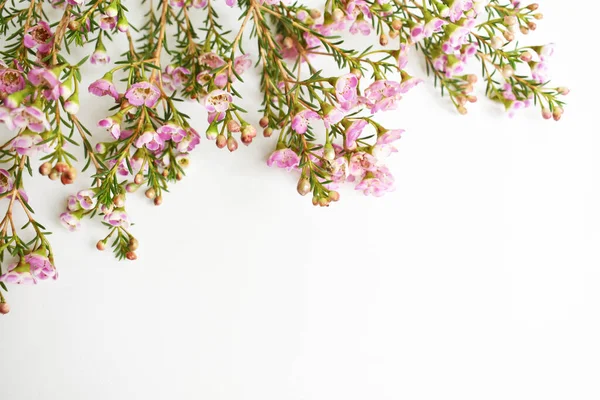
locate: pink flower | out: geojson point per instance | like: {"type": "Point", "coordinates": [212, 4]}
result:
{"type": "Point", "coordinates": [383, 148]}
{"type": "Point", "coordinates": [301, 119]}
{"type": "Point", "coordinates": [362, 26]}
{"type": "Point", "coordinates": [104, 87]}
{"type": "Point", "coordinates": [40, 266]}
{"type": "Point", "coordinates": [402, 56]}
{"type": "Point", "coordinates": [107, 22]}
{"type": "Point", "coordinates": [189, 142]}
{"type": "Point", "coordinates": [361, 163]}
{"type": "Point", "coordinates": [332, 116]}
{"type": "Point", "coordinates": [117, 217]}
{"type": "Point", "coordinates": [218, 101]}
{"type": "Point", "coordinates": [18, 274]}
{"type": "Point", "coordinates": [11, 81]}
{"type": "Point", "coordinates": [73, 203]}
{"type": "Point", "coordinates": [43, 77]}
{"type": "Point", "coordinates": [284, 158]}
{"type": "Point", "coordinates": [27, 117]}
{"type": "Point", "coordinates": [71, 221]}
{"type": "Point", "coordinates": [211, 60]}
{"type": "Point", "coordinates": [345, 88]}
{"type": "Point", "coordinates": [382, 95]}
{"type": "Point", "coordinates": [242, 63]}
{"type": "Point", "coordinates": [353, 132]}
{"type": "Point", "coordinates": [112, 124]}
{"type": "Point", "coordinates": [377, 183]}
{"type": "Point", "coordinates": [143, 94]}
{"type": "Point", "coordinates": [26, 144]}
{"type": "Point", "coordinates": [86, 199]}
{"type": "Point", "coordinates": [6, 183]}
{"type": "Point", "coordinates": [151, 140]}
{"type": "Point", "coordinates": [174, 77]}
{"type": "Point", "coordinates": [172, 132]}
{"type": "Point", "coordinates": [39, 36]}
{"type": "Point", "coordinates": [100, 57]}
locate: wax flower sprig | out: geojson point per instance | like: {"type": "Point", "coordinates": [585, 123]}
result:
{"type": "Point", "coordinates": [325, 120]}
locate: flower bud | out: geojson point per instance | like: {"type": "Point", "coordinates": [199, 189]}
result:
{"type": "Point", "coordinates": [538, 16]}
{"type": "Point", "coordinates": [337, 15]}
{"type": "Point", "coordinates": [557, 113]}
{"type": "Point", "coordinates": [397, 24]}
{"type": "Point", "coordinates": [288, 42]}
{"type": "Point", "coordinates": [533, 6]}
{"type": "Point", "coordinates": [303, 186]}
{"type": "Point", "coordinates": [383, 39]}
{"type": "Point", "coordinates": [221, 141]}
{"type": "Point", "coordinates": [72, 104]}
{"type": "Point", "coordinates": [131, 255]}
{"type": "Point", "coordinates": [54, 175]}
{"type": "Point", "coordinates": [158, 200]}
{"type": "Point", "coordinates": [119, 200]}
{"type": "Point", "coordinates": [462, 110]}
{"type": "Point", "coordinates": [510, 20]}
{"type": "Point", "coordinates": [496, 42]}
{"type": "Point", "coordinates": [334, 196]}
{"type": "Point", "coordinates": [531, 25]}
{"type": "Point", "coordinates": [507, 71]}
{"type": "Point", "coordinates": [546, 114]}
{"type": "Point", "coordinates": [563, 90]}
{"type": "Point", "coordinates": [101, 245]}
{"type": "Point", "coordinates": [45, 169]}
{"type": "Point", "coordinates": [233, 126]}
{"type": "Point", "coordinates": [212, 132]}
{"type": "Point", "coordinates": [524, 30]}
{"type": "Point", "coordinates": [61, 167]}
{"type": "Point", "coordinates": [131, 187]}
{"type": "Point", "coordinates": [150, 193]}
{"type": "Point", "coordinates": [329, 152]}
{"type": "Point", "coordinates": [508, 36]}
{"type": "Point", "coordinates": [526, 56]}
{"type": "Point", "coordinates": [74, 25]}
{"type": "Point", "coordinates": [4, 308]}
{"type": "Point", "coordinates": [315, 13]}
{"type": "Point", "coordinates": [139, 179]}
{"type": "Point", "coordinates": [264, 122]}
{"type": "Point", "coordinates": [232, 144]}
{"type": "Point", "coordinates": [472, 78]}
{"type": "Point", "coordinates": [267, 132]}
{"type": "Point", "coordinates": [101, 148]}
{"type": "Point", "coordinates": [122, 23]}
{"type": "Point", "coordinates": [133, 244]}
{"type": "Point", "coordinates": [68, 177]}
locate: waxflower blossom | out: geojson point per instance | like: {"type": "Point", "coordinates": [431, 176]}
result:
{"type": "Point", "coordinates": [175, 77]}
{"type": "Point", "coordinates": [382, 95]}
{"type": "Point", "coordinates": [40, 266]}
{"type": "Point", "coordinates": [218, 101]}
{"type": "Point", "coordinates": [11, 81]}
{"type": "Point", "coordinates": [284, 158]}
{"type": "Point", "coordinates": [143, 94]}
{"type": "Point", "coordinates": [39, 37]}
{"type": "Point", "coordinates": [5, 181]}
{"type": "Point", "coordinates": [301, 120]}
{"type": "Point", "coordinates": [71, 220]}
{"type": "Point", "coordinates": [18, 274]}
{"type": "Point", "coordinates": [104, 87]}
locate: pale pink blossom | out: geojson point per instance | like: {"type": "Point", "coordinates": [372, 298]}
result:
{"type": "Point", "coordinates": [301, 120]}
{"type": "Point", "coordinates": [143, 94]}
{"type": "Point", "coordinates": [284, 158]}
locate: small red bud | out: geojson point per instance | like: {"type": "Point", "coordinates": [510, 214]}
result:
{"type": "Point", "coordinates": [158, 200]}
{"type": "Point", "coordinates": [232, 144]}
{"type": "Point", "coordinates": [4, 308]}
{"type": "Point", "coordinates": [101, 245]}
{"type": "Point", "coordinates": [221, 141]}
{"type": "Point", "coordinates": [150, 193]}
{"type": "Point", "coordinates": [131, 255]}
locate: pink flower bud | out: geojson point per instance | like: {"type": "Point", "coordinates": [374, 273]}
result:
{"type": "Point", "coordinates": [4, 308]}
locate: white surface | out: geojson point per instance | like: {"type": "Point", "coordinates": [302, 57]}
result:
{"type": "Point", "coordinates": [477, 279]}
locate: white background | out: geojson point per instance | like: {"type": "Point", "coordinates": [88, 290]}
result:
{"type": "Point", "coordinates": [477, 279]}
